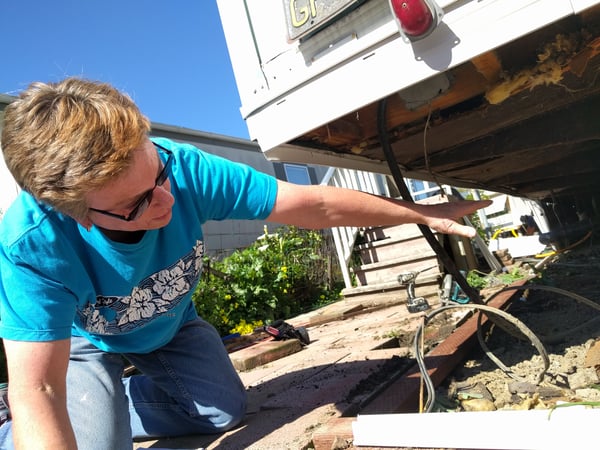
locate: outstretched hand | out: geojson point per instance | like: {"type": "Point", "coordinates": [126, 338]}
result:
{"type": "Point", "coordinates": [317, 207]}
{"type": "Point", "coordinates": [443, 217]}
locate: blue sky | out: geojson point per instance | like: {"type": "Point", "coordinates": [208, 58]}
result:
{"type": "Point", "coordinates": [169, 56]}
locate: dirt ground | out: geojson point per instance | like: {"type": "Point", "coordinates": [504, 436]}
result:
{"type": "Point", "coordinates": [568, 328]}
{"type": "Point", "coordinates": [351, 361]}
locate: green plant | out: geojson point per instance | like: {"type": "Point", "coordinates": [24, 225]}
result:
{"type": "Point", "coordinates": [281, 274]}
{"type": "Point", "coordinates": [480, 280]}
{"type": "Point", "coordinates": [477, 280]}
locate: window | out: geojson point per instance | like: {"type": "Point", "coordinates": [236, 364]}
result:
{"type": "Point", "coordinates": [422, 189]}
{"type": "Point", "coordinates": [296, 174]}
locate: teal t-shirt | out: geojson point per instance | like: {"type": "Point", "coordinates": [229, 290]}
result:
{"type": "Point", "coordinates": [57, 279]}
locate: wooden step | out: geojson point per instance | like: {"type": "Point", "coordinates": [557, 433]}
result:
{"type": "Point", "coordinates": [427, 285]}
{"type": "Point", "coordinates": [391, 248]}
{"type": "Point", "coordinates": [389, 270]}
{"type": "Point", "coordinates": [431, 277]}
{"type": "Point", "coordinates": [389, 251]}
{"type": "Point", "coordinates": [405, 231]}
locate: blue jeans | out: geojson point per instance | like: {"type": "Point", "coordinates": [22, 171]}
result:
{"type": "Point", "coordinates": [189, 386]}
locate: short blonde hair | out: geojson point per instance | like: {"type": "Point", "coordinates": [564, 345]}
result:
{"type": "Point", "coordinates": [63, 140]}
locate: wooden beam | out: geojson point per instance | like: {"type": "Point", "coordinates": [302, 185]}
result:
{"type": "Point", "coordinates": [467, 83]}
{"type": "Point", "coordinates": [575, 125]}
{"type": "Point", "coordinates": [489, 65]}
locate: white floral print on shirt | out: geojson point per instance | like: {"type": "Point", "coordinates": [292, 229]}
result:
{"type": "Point", "coordinates": [154, 296]}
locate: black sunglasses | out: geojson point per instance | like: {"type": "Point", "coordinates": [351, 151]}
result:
{"type": "Point", "coordinates": [146, 199]}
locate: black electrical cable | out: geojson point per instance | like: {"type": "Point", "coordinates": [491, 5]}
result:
{"type": "Point", "coordinates": [447, 262]}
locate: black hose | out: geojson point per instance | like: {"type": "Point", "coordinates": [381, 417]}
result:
{"type": "Point", "coordinates": [447, 262]}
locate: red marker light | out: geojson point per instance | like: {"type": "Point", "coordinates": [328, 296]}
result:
{"type": "Point", "coordinates": [417, 18]}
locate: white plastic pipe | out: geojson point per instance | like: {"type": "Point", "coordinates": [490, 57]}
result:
{"type": "Point", "coordinates": [573, 427]}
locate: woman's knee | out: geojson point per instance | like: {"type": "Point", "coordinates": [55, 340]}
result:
{"type": "Point", "coordinates": [230, 415]}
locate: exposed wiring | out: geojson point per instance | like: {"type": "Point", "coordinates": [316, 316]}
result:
{"type": "Point", "coordinates": [508, 323]}
{"type": "Point", "coordinates": [557, 337]}
{"type": "Point", "coordinates": [430, 388]}
{"type": "Point", "coordinates": [426, 153]}
{"type": "Point", "coordinates": [421, 345]}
